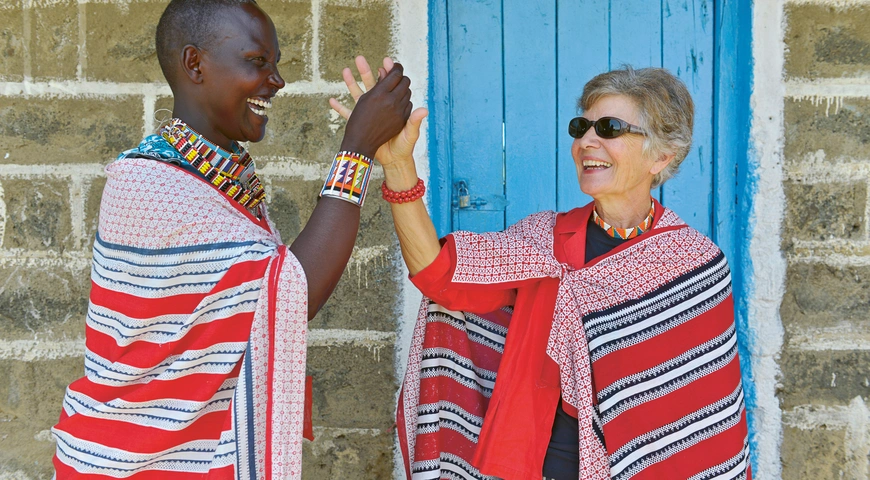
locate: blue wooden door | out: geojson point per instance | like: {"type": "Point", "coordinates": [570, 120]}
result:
{"type": "Point", "coordinates": [506, 76]}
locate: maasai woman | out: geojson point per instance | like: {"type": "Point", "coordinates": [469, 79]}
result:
{"type": "Point", "coordinates": [614, 352]}
{"type": "Point", "coordinates": [196, 325]}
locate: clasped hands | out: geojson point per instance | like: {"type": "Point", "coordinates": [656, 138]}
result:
{"type": "Point", "coordinates": [396, 153]}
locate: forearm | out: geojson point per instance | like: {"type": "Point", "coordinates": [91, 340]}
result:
{"type": "Point", "coordinates": [417, 236]}
{"type": "Point", "coordinates": [324, 247]}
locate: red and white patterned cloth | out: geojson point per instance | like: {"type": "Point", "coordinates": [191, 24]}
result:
{"type": "Point", "coordinates": [196, 338]}
{"type": "Point", "coordinates": [639, 344]}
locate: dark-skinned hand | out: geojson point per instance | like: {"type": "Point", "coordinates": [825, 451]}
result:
{"type": "Point", "coordinates": [380, 114]}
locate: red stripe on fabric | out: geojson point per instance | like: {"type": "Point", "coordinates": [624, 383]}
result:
{"type": "Point", "coordinates": [140, 307]}
{"type": "Point", "coordinates": [663, 347]}
{"type": "Point", "coordinates": [429, 445]}
{"type": "Point", "coordinates": [446, 336]}
{"type": "Point", "coordinates": [64, 471]}
{"type": "Point", "coordinates": [275, 274]}
{"type": "Point", "coordinates": [142, 354]}
{"type": "Point", "coordinates": [697, 458]}
{"type": "Point", "coordinates": [651, 415]}
{"type": "Point", "coordinates": [307, 425]}
{"type": "Point", "coordinates": [142, 439]}
{"type": "Point", "coordinates": [197, 387]}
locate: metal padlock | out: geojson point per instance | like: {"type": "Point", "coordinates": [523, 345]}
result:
{"type": "Point", "coordinates": [462, 193]}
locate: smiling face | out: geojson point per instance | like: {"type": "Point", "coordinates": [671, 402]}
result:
{"type": "Point", "coordinates": [614, 169]}
{"type": "Point", "coordinates": [239, 77]}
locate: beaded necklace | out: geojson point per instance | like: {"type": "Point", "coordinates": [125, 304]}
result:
{"type": "Point", "coordinates": [625, 233]}
{"type": "Point", "coordinates": [231, 172]}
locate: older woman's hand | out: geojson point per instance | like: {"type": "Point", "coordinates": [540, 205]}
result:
{"type": "Point", "coordinates": [400, 148]}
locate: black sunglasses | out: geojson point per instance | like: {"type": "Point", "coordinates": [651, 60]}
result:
{"type": "Point", "coordinates": [605, 127]}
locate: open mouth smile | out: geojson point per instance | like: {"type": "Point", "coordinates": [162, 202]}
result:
{"type": "Point", "coordinates": [595, 165]}
{"type": "Point", "coordinates": [259, 105]}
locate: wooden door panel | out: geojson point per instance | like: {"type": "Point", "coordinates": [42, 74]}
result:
{"type": "Point", "coordinates": [477, 96]}
{"type": "Point", "coordinates": [688, 53]}
{"type": "Point", "coordinates": [530, 107]}
{"type": "Point", "coordinates": [517, 69]}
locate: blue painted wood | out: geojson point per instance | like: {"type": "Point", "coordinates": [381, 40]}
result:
{"type": "Point", "coordinates": [734, 178]}
{"type": "Point", "coordinates": [688, 52]}
{"type": "Point", "coordinates": [466, 70]}
{"type": "Point", "coordinates": [581, 52]}
{"type": "Point", "coordinates": [530, 107]}
{"type": "Point", "coordinates": [477, 108]}
{"type": "Point", "coordinates": [635, 33]}
{"type": "Point", "coordinates": [440, 186]}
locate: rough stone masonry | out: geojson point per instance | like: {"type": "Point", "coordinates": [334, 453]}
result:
{"type": "Point", "coordinates": [79, 82]}
{"type": "Point", "coordinates": [824, 363]}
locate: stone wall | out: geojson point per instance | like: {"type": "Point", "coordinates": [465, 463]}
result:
{"type": "Point", "coordinates": [825, 358]}
{"type": "Point", "coordinates": [79, 82]}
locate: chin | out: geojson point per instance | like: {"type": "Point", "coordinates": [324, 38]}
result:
{"type": "Point", "coordinates": [590, 188]}
{"type": "Point", "coordinates": [256, 135]}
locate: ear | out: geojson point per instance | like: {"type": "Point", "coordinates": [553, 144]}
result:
{"type": "Point", "coordinates": [191, 63]}
{"type": "Point", "coordinates": [660, 164]}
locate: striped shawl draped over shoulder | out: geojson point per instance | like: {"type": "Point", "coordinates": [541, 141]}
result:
{"type": "Point", "coordinates": [195, 335]}
{"type": "Point", "coordinates": [650, 326]}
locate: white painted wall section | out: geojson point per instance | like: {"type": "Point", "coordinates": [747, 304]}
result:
{"type": "Point", "coordinates": [768, 266]}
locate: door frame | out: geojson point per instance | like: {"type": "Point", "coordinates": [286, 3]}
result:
{"type": "Point", "coordinates": [734, 175]}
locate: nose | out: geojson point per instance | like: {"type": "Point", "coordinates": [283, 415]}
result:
{"type": "Point", "coordinates": [590, 139]}
{"type": "Point", "coordinates": [276, 79]}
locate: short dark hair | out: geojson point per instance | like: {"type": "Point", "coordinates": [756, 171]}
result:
{"type": "Point", "coordinates": [188, 22]}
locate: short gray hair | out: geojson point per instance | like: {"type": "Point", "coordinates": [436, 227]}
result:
{"type": "Point", "coordinates": [665, 108]}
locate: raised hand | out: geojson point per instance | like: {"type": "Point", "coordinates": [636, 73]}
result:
{"type": "Point", "coordinates": [400, 147]}
{"type": "Point", "coordinates": [381, 112]}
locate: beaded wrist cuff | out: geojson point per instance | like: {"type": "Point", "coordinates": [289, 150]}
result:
{"type": "Point", "coordinates": [348, 178]}
{"type": "Point", "coordinates": [414, 193]}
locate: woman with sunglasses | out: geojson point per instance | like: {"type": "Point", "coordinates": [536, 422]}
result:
{"type": "Point", "coordinates": [602, 343]}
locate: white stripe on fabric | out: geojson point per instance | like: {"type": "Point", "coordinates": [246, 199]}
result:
{"type": "Point", "coordinates": [450, 364]}
{"type": "Point", "coordinates": [225, 453]}
{"type": "Point", "coordinates": [737, 471]}
{"type": "Point", "coordinates": [92, 458]}
{"type": "Point", "coordinates": [426, 475]}
{"type": "Point", "coordinates": [155, 258]}
{"type": "Point", "coordinates": [218, 358]}
{"type": "Point", "coordinates": [165, 414]}
{"type": "Point", "coordinates": [673, 311]}
{"type": "Point", "coordinates": [473, 327]}
{"type": "Point", "coordinates": [205, 261]}
{"type": "Point", "coordinates": [168, 328]}
{"type": "Point", "coordinates": [457, 465]}
{"type": "Point", "coordinates": [668, 365]}
{"type": "Point", "coordinates": [646, 303]}
{"type": "Point", "coordinates": [675, 437]}
{"type": "Point", "coordinates": [457, 421]}
{"type": "Point", "coordinates": [665, 377]}
{"type": "Point", "coordinates": [434, 307]}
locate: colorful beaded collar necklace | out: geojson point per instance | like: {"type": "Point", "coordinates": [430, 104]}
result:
{"type": "Point", "coordinates": [231, 172]}
{"type": "Point", "coordinates": [625, 233]}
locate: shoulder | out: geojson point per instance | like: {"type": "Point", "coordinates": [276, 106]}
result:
{"type": "Point", "coordinates": [685, 240]}
{"type": "Point", "coordinates": [153, 147]}
{"type": "Point", "coordinates": [535, 223]}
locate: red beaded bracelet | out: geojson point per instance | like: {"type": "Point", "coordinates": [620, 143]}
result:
{"type": "Point", "coordinates": [415, 193]}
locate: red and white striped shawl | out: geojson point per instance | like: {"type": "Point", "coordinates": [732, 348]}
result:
{"type": "Point", "coordinates": [196, 338]}
{"type": "Point", "coordinates": [672, 277]}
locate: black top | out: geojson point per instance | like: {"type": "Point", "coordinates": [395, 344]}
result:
{"type": "Point", "coordinates": [562, 461]}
